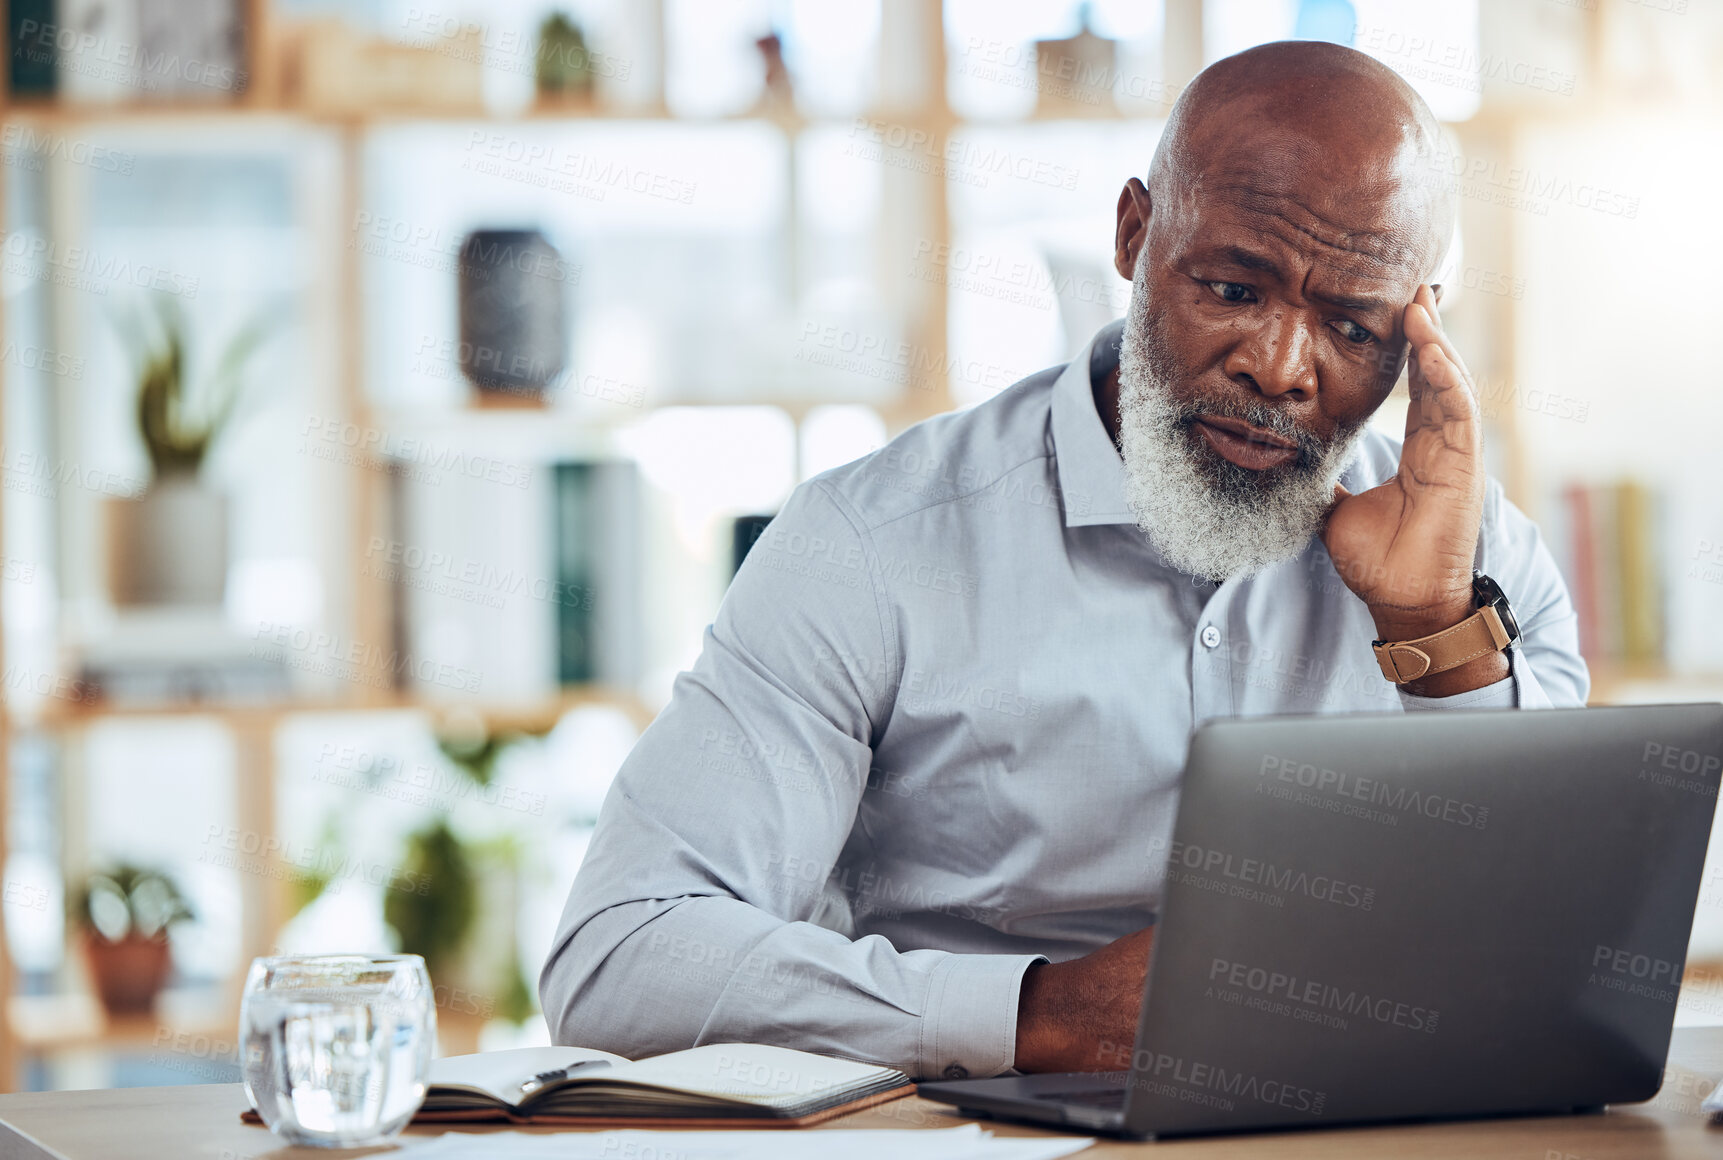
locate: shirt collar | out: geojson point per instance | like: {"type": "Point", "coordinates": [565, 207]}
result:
{"type": "Point", "coordinates": [1091, 474]}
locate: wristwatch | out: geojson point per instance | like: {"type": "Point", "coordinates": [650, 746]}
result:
{"type": "Point", "coordinates": [1491, 628]}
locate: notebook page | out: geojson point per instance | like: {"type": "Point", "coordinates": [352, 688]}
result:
{"type": "Point", "coordinates": [501, 1073]}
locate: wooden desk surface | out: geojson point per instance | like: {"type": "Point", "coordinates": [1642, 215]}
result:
{"type": "Point", "coordinates": [202, 1122]}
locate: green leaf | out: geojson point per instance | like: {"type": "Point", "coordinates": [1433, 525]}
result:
{"type": "Point", "coordinates": [434, 924]}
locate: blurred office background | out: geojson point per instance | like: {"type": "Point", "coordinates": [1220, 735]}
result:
{"type": "Point", "coordinates": [391, 389]}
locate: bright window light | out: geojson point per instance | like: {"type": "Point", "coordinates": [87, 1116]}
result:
{"type": "Point", "coordinates": [712, 66]}
{"type": "Point", "coordinates": [585, 751]}
{"type": "Point", "coordinates": [832, 51]}
{"type": "Point", "coordinates": [990, 47]}
{"type": "Point", "coordinates": [714, 462]}
{"type": "Point", "coordinates": [832, 436]}
{"type": "Point", "coordinates": [1128, 19]}
{"type": "Point", "coordinates": [1231, 26]}
{"type": "Point", "coordinates": [35, 909]}
{"type": "Point", "coordinates": [1433, 46]}
{"type": "Point", "coordinates": [280, 591]}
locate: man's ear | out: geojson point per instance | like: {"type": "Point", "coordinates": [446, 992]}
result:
{"type": "Point", "coordinates": [1132, 231]}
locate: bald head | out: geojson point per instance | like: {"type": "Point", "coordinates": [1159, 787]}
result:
{"type": "Point", "coordinates": [1318, 125]}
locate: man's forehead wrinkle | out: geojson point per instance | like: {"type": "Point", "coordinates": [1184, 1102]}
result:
{"type": "Point", "coordinates": [1393, 243]}
{"type": "Point", "coordinates": [1368, 194]}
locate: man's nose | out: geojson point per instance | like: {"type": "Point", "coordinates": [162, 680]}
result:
{"type": "Point", "coordinates": [1278, 358]}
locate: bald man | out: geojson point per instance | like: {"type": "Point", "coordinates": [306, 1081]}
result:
{"type": "Point", "coordinates": [913, 802]}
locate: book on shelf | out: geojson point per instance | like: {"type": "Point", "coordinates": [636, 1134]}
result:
{"type": "Point", "coordinates": [598, 573]}
{"type": "Point", "coordinates": [743, 533]}
{"type": "Point", "coordinates": [1609, 542]}
{"type": "Point", "coordinates": [514, 586]}
{"type": "Point", "coordinates": [1575, 551]}
{"type": "Point", "coordinates": [1637, 522]}
{"type": "Point", "coordinates": [730, 1085]}
{"type": "Point", "coordinates": [32, 64]}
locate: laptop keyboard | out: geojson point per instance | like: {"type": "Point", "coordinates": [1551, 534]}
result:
{"type": "Point", "coordinates": [1112, 1099]}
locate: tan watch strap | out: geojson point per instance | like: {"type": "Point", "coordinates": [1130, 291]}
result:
{"type": "Point", "coordinates": [1403, 661]}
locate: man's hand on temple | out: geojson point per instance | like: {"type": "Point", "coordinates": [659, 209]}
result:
{"type": "Point", "coordinates": [1406, 547]}
{"type": "Point", "coordinates": [1069, 1011]}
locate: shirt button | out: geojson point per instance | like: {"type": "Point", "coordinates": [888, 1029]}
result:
{"type": "Point", "coordinates": [957, 1071]}
{"type": "Point", "coordinates": [1210, 636]}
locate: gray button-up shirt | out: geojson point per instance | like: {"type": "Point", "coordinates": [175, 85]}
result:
{"type": "Point", "coordinates": [936, 734]}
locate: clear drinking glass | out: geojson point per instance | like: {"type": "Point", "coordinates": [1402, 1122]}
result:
{"type": "Point", "coordinates": [335, 1048]}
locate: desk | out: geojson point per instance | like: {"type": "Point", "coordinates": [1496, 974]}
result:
{"type": "Point", "coordinates": [183, 1123]}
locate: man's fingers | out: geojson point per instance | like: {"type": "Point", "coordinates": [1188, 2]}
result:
{"type": "Point", "coordinates": [1435, 369]}
{"type": "Point", "coordinates": [1423, 326]}
{"type": "Point", "coordinates": [1447, 394]}
{"type": "Point", "coordinates": [1438, 370]}
{"type": "Point", "coordinates": [1420, 322]}
{"type": "Point", "coordinates": [1416, 389]}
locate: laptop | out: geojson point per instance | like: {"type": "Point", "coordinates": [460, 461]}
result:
{"type": "Point", "coordinates": [1399, 917]}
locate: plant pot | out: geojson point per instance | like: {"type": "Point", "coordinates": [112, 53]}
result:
{"type": "Point", "coordinates": [129, 974]}
{"type": "Point", "coordinates": [169, 546]}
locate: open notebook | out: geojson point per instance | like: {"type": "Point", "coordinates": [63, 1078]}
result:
{"type": "Point", "coordinates": [718, 1085]}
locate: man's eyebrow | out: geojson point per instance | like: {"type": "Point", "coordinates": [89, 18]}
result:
{"type": "Point", "coordinates": [1349, 302]}
{"type": "Point", "coordinates": [1250, 260]}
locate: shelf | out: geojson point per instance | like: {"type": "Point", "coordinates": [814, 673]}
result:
{"type": "Point", "coordinates": [498, 716]}
{"type": "Point", "coordinates": [192, 1030]}
{"type": "Point", "coordinates": [54, 112]}
{"type": "Point", "coordinates": [945, 119]}
{"type": "Point", "coordinates": [1646, 683]}
{"type": "Point", "coordinates": [44, 1023]}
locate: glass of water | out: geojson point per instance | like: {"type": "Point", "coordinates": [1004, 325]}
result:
{"type": "Point", "coordinates": [335, 1048]}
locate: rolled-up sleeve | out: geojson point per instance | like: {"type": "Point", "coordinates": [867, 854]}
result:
{"type": "Point", "coordinates": [1547, 668]}
{"type": "Point", "coordinates": [700, 913]}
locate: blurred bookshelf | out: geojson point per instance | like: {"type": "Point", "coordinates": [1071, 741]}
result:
{"type": "Point", "coordinates": [68, 1021]}
{"type": "Point", "coordinates": [1651, 684]}
{"type": "Point", "coordinates": [343, 148]}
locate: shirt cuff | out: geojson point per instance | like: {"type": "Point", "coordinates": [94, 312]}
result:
{"type": "Point", "coordinates": [1518, 690]}
{"type": "Point", "coordinates": [1504, 694]}
{"type": "Point", "coordinates": [969, 1025]}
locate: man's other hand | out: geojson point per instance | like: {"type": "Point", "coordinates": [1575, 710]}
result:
{"type": "Point", "coordinates": [1082, 1015]}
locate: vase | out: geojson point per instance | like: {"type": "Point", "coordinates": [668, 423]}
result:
{"type": "Point", "coordinates": [130, 973]}
{"type": "Point", "coordinates": [513, 314]}
{"type": "Point", "coordinates": [169, 545]}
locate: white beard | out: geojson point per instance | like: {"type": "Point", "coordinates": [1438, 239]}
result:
{"type": "Point", "coordinates": [1207, 516]}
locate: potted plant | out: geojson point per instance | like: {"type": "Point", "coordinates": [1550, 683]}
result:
{"type": "Point", "coordinates": [464, 920]}
{"type": "Point", "coordinates": [169, 545]}
{"type": "Point", "coordinates": [453, 897]}
{"type": "Point", "coordinates": [562, 70]}
{"type": "Point", "coordinates": [125, 914]}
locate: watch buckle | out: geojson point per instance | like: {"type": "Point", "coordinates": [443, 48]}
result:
{"type": "Point", "coordinates": [1391, 656]}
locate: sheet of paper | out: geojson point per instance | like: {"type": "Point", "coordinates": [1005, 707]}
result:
{"type": "Point", "coordinates": [966, 1143]}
